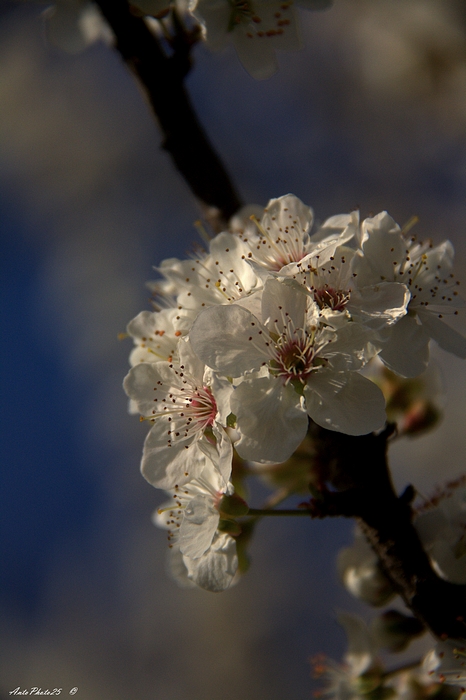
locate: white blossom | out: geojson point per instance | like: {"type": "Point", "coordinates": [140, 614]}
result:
{"type": "Point", "coordinates": [187, 419]}
{"type": "Point", "coordinates": [328, 273]}
{"type": "Point", "coordinates": [281, 236]}
{"type": "Point", "coordinates": [221, 275]}
{"type": "Point", "coordinates": [290, 368]}
{"type": "Point", "coordinates": [154, 336]}
{"type": "Point", "coordinates": [192, 518]}
{"type": "Point", "coordinates": [255, 27]}
{"type": "Point", "coordinates": [387, 256]}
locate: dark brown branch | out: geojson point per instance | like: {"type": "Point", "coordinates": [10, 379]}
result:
{"type": "Point", "coordinates": [162, 77]}
{"type": "Point", "coordinates": [357, 467]}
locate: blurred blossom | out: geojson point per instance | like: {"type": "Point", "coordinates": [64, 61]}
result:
{"type": "Point", "coordinates": [441, 525]}
{"type": "Point", "coordinates": [394, 631]}
{"type": "Point", "coordinates": [447, 663]}
{"type": "Point", "coordinates": [411, 53]}
{"type": "Point", "coordinates": [361, 573]}
{"type": "Point", "coordinates": [256, 29]}
{"type": "Point", "coordinates": [414, 405]}
{"type": "Point", "coordinates": [360, 673]}
{"type": "Point", "coordinates": [72, 25]}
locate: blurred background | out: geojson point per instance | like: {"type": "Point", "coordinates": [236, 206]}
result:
{"type": "Point", "coordinates": [370, 114]}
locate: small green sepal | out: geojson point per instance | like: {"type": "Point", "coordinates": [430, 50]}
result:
{"type": "Point", "coordinates": [233, 505]}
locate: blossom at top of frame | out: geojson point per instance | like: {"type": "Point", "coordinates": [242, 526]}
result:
{"type": "Point", "coordinates": [256, 28]}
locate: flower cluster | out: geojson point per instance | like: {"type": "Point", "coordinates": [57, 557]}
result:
{"type": "Point", "coordinates": [268, 328]}
{"type": "Point", "coordinates": [363, 675]}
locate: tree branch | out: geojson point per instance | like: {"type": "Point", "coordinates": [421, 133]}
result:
{"type": "Point", "coordinates": [161, 78]}
{"type": "Point", "coordinates": [358, 468]}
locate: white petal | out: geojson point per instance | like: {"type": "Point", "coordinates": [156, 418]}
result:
{"type": "Point", "coordinates": [258, 58]}
{"type": "Point", "coordinates": [270, 419]}
{"type": "Point", "coordinates": [230, 252]}
{"type": "Point", "coordinates": [190, 362]}
{"type": "Point", "coordinates": [352, 346]}
{"type": "Point", "coordinates": [344, 225]}
{"type": "Point", "coordinates": [214, 570]}
{"type": "Point", "coordinates": [448, 339]}
{"type": "Point", "coordinates": [198, 526]}
{"type": "Point", "coordinates": [407, 350]}
{"type": "Point", "coordinates": [360, 644]}
{"type": "Point", "coordinates": [220, 453]}
{"type": "Point", "coordinates": [176, 568]}
{"type": "Point", "coordinates": [222, 390]}
{"type": "Point", "coordinates": [155, 334]}
{"type": "Point", "coordinates": [383, 249]}
{"type": "Point", "coordinates": [220, 337]}
{"type": "Point", "coordinates": [142, 384]}
{"type": "Point", "coordinates": [164, 466]}
{"type": "Point", "coordinates": [282, 303]}
{"type": "Point", "coordinates": [346, 402]}
{"type": "Point", "coordinates": [379, 305]}
{"type": "Point", "coordinates": [253, 302]}
{"type": "Point", "coordinates": [288, 212]}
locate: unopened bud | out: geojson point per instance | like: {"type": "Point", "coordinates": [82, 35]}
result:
{"type": "Point", "coordinates": [422, 416]}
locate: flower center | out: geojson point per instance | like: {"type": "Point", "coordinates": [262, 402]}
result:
{"type": "Point", "coordinates": [201, 407]}
{"type": "Point", "coordinates": [294, 358]}
{"type": "Point", "coordinates": [240, 10]}
{"type": "Point", "coordinates": [188, 411]}
{"type": "Point", "coordinates": [329, 298]}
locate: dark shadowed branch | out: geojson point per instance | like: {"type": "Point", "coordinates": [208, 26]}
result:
{"type": "Point", "coordinates": [162, 78]}
{"type": "Point", "coordinates": [357, 468]}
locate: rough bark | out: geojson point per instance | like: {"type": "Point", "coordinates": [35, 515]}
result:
{"type": "Point", "coordinates": [357, 467]}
